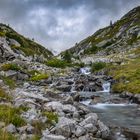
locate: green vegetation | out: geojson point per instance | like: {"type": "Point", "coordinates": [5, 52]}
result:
{"type": "Point", "coordinates": [52, 117]}
{"type": "Point", "coordinates": [9, 82]}
{"type": "Point", "coordinates": [6, 136]}
{"type": "Point", "coordinates": [28, 46]}
{"type": "Point", "coordinates": [36, 137]}
{"type": "Point", "coordinates": [4, 95]}
{"type": "Point", "coordinates": [10, 66]}
{"type": "Point", "coordinates": [67, 56]}
{"type": "Point", "coordinates": [39, 77]}
{"type": "Point", "coordinates": [92, 50]}
{"type": "Point", "coordinates": [97, 66]}
{"type": "Point", "coordinates": [33, 72]}
{"type": "Point", "coordinates": [2, 34]}
{"type": "Point", "coordinates": [11, 115]}
{"type": "Point", "coordinates": [127, 77]}
{"type": "Point", "coordinates": [56, 63]}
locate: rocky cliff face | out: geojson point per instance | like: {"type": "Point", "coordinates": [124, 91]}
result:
{"type": "Point", "coordinates": [14, 45]}
{"type": "Point", "coordinates": [112, 43]}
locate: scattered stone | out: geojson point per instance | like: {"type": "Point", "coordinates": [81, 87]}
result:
{"type": "Point", "coordinates": [10, 128]}
{"type": "Point", "coordinates": [53, 137]}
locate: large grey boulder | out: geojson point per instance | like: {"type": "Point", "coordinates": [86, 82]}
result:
{"type": "Point", "coordinates": [65, 127]}
{"type": "Point", "coordinates": [104, 130]}
{"type": "Point", "coordinates": [91, 118]}
{"type": "Point", "coordinates": [59, 107]}
{"type": "Point", "coordinates": [90, 128]}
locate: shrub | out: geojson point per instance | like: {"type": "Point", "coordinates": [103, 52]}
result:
{"type": "Point", "coordinates": [33, 72]}
{"type": "Point", "coordinates": [4, 95]}
{"type": "Point", "coordinates": [10, 66]}
{"type": "Point", "coordinates": [2, 34]}
{"type": "Point", "coordinates": [11, 115]}
{"type": "Point", "coordinates": [10, 82]}
{"type": "Point", "coordinates": [67, 57]}
{"type": "Point", "coordinates": [6, 136]}
{"type": "Point", "coordinates": [57, 63]}
{"type": "Point", "coordinates": [51, 116]}
{"type": "Point", "coordinates": [92, 50]}
{"type": "Point", "coordinates": [98, 66]}
{"type": "Point", "coordinates": [39, 77]}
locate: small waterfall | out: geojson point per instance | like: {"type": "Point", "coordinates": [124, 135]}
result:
{"type": "Point", "coordinates": [106, 87]}
{"type": "Point", "coordinates": [85, 70]}
{"type": "Point", "coordinates": [73, 86]}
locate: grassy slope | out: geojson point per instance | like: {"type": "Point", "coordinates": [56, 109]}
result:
{"type": "Point", "coordinates": [29, 47]}
{"type": "Point", "coordinates": [127, 76]}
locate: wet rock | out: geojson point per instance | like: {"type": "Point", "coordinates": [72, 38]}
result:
{"type": "Point", "coordinates": [105, 132]}
{"type": "Point", "coordinates": [136, 98]}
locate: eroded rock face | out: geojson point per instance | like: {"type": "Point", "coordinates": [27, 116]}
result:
{"type": "Point", "coordinates": [5, 55]}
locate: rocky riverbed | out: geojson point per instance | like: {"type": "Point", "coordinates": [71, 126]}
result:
{"type": "Point", "coordinates": [53, 108]}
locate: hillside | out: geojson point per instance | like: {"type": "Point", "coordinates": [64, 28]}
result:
{"type": "Point", "coordinates": [15, 45]}
{"type": "Point", "coordinates": [111, 43]}
{"type": "Point", "coordinates": [118, 45]}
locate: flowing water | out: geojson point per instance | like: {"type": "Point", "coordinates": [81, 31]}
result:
{"type": "Point", "coordinates": [85, 71]}
{"type": "Point", "coordinates": [121, 114]}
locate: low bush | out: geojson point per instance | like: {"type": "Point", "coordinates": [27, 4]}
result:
{"type": "Point", "coordinates": [51, 116]}
{"type": "Point", "coordinates": [39, 77]}
{"type": "Point", "coordinates": [2, 34]}
{"type": "Point", "coordinates": [9, 82]}
{"type": "Point", "coordinates": [11, 115]}
{"type": "Point", "coordinates": [6, 136]}
{"type": "Point", "coordinates": [57, 63]}
{"type": "Point", "coordinates": [97, 66]}
{"type": "Point", "coordinates": [10, 66]}
{"type": "Point", "coordinates": [4, 95]}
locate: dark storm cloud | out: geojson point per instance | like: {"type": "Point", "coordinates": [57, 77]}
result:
{"type": "Point", "coordinates": [59, 24]}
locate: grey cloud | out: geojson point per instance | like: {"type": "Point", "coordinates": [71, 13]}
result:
{"type": "Point", "coordinates": [59, 24]}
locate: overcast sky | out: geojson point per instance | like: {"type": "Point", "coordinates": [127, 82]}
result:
{"type": "Point", "coordinates": [59, 24]}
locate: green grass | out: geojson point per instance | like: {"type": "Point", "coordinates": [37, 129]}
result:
{"type": "Point", "coordinates": [97, 66]}
{"type": "Point", "coordinates": [11, 115]}
{"type": "Point", "coordinates": [39, 77]}
{"type": "Point", "coordinates": [51, 116]}
{"type": "Point", "coordinates": [9, 82]}
{"type": "Point", "coordinates": [4, 95]}
{"type": "Point", "coordinates": [10, 66]}
{"type": "Point", "coordinates": [2, 34]}
{"type": "Point", "coordinates": [127, 77]}
{"type": "Point", "coordinates": [29, 47]}
{"type": "Point", "coordinates": [56, 63]}
{"type": "Point", "coordinates": [6, 136]}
